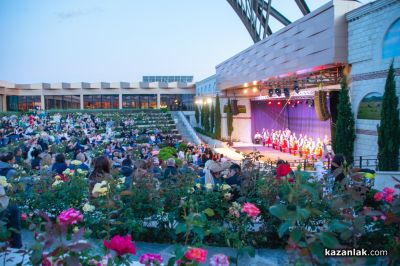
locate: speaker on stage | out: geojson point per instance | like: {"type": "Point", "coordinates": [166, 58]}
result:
{"type": "Point", "coordinates": [321, 108]}
{"type": "Point", "coordinates": [235, 109]}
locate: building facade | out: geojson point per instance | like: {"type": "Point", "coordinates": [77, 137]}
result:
{"type": "Point", "coordinates": [174, 95]}
{"type": "Point", "coordinates": [373, 44]}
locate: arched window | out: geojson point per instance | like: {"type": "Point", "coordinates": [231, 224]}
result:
{"type": "Point", "coordinates": [391, 42]}
{"type": "Point", "coordinates": [370, 107]}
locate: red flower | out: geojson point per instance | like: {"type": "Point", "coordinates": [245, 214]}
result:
{"type": "Point", "coordinates": [251, 210]}
{"type": "Point", "coordinates": [291, 180]}
{"type": "Point", "coordinates": [121, 245]}
{"type": "Point", "coordinates": [283, 170]}
{"type": "Point", "coordinates": [196, 254]}
{"type": "Point", "coordinates": [389, 198]}
{"type": "Point", "coordinates": [45, 261]}
{"type": "Point", "coordinates": [24, 217]}
{"type": "Point", "coordinates": [388, 190]}
{"type": "Point", "coordinates": [378, 196]}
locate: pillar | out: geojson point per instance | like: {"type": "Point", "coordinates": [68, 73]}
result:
{"type": "Point", "coordinates": [158, 101]}
{"type": "Point", "coordinates": [120, 101]}
{"type": "Point", "coordinates": [81, 101]}
{"type": "Point", "coordinates": [42, 102]}
{"type": "Point", "coordinates": [4, 101]}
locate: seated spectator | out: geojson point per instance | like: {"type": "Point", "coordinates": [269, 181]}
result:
{"type": "Point", "coordinates": [234, 175]}
{"type": "Point", "coordinates": [18, 155]}
{"type": "Point", "coordinates": [82, 157]}
{"type": "Point", "coordinates": [170, 171]}
{"type": "Point", "coordinates": [101, 171]}
{"type": "Point", "coordinates": [35, 162]}
{"type": "Point", "coordinates": [126, 170]}
{"type": "Point", "coordinates": [60, 165]}
{"type": "Point", "coordinates": [7, 161]}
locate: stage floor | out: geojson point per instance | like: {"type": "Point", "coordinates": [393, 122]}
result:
{"type": "Point", "coordinates": [268, 153]}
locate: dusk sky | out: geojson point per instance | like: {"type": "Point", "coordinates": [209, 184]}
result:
{"type": "Point", "coordinates": [121, 40]}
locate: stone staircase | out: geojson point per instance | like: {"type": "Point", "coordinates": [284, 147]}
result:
{"type": "Point", "coordinates": [184, 128]}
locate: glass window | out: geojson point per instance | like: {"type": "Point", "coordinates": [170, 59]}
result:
{"type": "Point", "coordinates": [183, 102]}
{"type": "Point", "coordinates": [391, 41]}
{"type": "Point", "coordinates": [23, 103]}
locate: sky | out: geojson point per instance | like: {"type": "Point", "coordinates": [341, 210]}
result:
{"type": "Point", "coordinates": [121, 40]}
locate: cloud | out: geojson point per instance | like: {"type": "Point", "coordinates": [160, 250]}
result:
{"type": "Point", "coordinates": [71, 14]}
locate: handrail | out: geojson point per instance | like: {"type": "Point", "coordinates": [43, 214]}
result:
{"type": "Point", "coordinates": [189, 127]}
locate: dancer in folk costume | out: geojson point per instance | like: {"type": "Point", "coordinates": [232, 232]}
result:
{"type": "Point", "coordinates": [267, 138]}
{"type": "Point", "coordinates": [319, 149]}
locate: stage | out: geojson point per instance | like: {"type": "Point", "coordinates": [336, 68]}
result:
{"type": "Point", "coordinates": [268, 153]}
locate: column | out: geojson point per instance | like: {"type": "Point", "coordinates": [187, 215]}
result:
{"type": "Point", "coordinates": [120, 100]}
{"type": "Point", "coordinates": [4, 101]}
{"type": "Point", "coordinates": [81, 101]}
{"type": "Point", "coordinates": [42, 102]}
{"type": "Point", "coordinates": [158, 100]}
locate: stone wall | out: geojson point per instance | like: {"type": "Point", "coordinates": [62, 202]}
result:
{"type": "Point", "coordinates": [367, 27]}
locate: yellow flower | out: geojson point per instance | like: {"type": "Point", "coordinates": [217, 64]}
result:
{"type": "Point", "coordinates": [57, 177]}
{"type": "Point", "coordinates": [76, 229]}
{"type": "Point", "coordinates": [209, 186]}
{"type": "Point", "coordinates": [227, 196]}
{"type": "Point", "coordinates": [225, 187]}
{"type": "Point", "coordinates": [76, 162]}
{"type": "Point", "coordinates": [67, 171]}
{"type": "Point", "coordinates": [198, 185]}
{"type": "Point", "coordinates": [88, 208]}
{"type": "Point", "coordinates": [100, 189]}
{"type": "Point", "coordinates": [3, 181]}
{"type": "Point", "coordinates": [57, 182]}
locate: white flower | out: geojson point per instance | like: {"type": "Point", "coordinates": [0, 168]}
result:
{"type": "Point", "coordinates": [225, 187]}
{"type": "Point", "coordinates": [88, 208]}
{"type": "Point", "coordinates": [209, 186]}
{"type": "Point", "coordinates": [121, 180]}
{"type": "Point", "coordinates": [76, 229]}
{"type": "Point", "coordinates": [3, 181]}
{"type": "Point", "coordinates": [227, 196]}
{"type": "Point", "coordinates": [100, 189]}
{"type": "Point", "coordinates": [57, 182]}
{"type": "Point", "coordinates": [190, 190]}
{"type": "Point", "coordinates": [67, 172]}
{"type": "Point", "coordinates": [198, 185]}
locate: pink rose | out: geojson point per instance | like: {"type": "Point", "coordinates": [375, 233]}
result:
{"type": "Point", "coordinates": [121, 245]}
{"type": "Point", "coordinates": [389, 198]}
{"type": "Point", "coordinates": [70, 216]}
{"type": "Point", "coordinates": [375, 218]}
{"type": "Point", "coordinates": [196, 254]}
{"type": "Point", "coordinates": [24, 216]}
{"type": "Point", "coordinates": [251, 210]}
{"type": "Point", "coordinates": [378, 196]}
{"type": "Point", "coordinates": [151, 259]}
{"type": "Point", "coordinates": [383, 217]}
{"type": "Point", "coordinates": [388, 190]}
{"type": "Point", "coordinates": [219, 260]}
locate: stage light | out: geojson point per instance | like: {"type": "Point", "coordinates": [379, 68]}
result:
{"type": "Point", "coordinates": [270, 92]}
{"type": "Point", "coordinates": [254, 89]}
{"type": "Point", "coordinates": [255, 82]}
{"type": "Point", "coordinates": [298, 102]}
{"type": "Point", "coordinates": [209, 100]}
{"type": "Point", "coordinates": [296, 87]}
{"type": "Point", "coordinates": [269, 102]}
{"type": "Point", "coordinates": [245, 85]}
{"type": "Point", "coordinates": [245, 90]}
{"type": "Point", "coordinates": [289, 102]}
{"type": "Point", "coordinates": [279, 103]}
{"type": "Point", "coordinates": [278, 92]}
{"type": "Point", "coordinates": [286, 92]}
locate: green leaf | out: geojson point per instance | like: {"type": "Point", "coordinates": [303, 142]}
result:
{"type": "Point", "coordinates": [215, 230]}
{"type": "Point", "coordinates": [310, 190]}
{"type": "Point", "coordinates": [250, 250]}
{"type": "Point", "coordinates": [303, 213]}
{"type": "Point", "coordinates": [180, 228]}
{"type": "Point", "coordinates": [199, 232]}
{"type": "Point", "coordinates": [295, 235]}
{"type": "Point", "coordinates": [336, 225]}
{"type": "Point", "coordinates": [329, 240]}
{"type": "Point", "coordinates": [279, 210]}
{"type": "Point", "coordinates": [284, 227]}
{"type": "Point", "coordinates": [209, 212]}
{"type": "Point", "coordinates": [317, 249]}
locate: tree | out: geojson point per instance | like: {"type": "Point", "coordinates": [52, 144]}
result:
{"type": "Point", "coordinates": [212, 118]}
{"type": "Point", "coordinates": [202, 115]}
{"type": "Point", "coordinates": [217, 120]}
{"type": "Point", "coordinates": [389, 129]}
{"type": "Point", "coordinates": [207, 118]}
{"type": "Point", "coordinates": [229, 118]}
{"type": "Point", "coordinates": [197, 113]}
{"type": "Point", "coordinates": [344, 136]}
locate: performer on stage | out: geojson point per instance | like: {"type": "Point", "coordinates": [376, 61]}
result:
{"type": "Point", "coordinates": [264, 136]}
{"type": "Point", "coordinates": [319, 149]}
{"type": "Point", "coordinates": [257, 138]}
